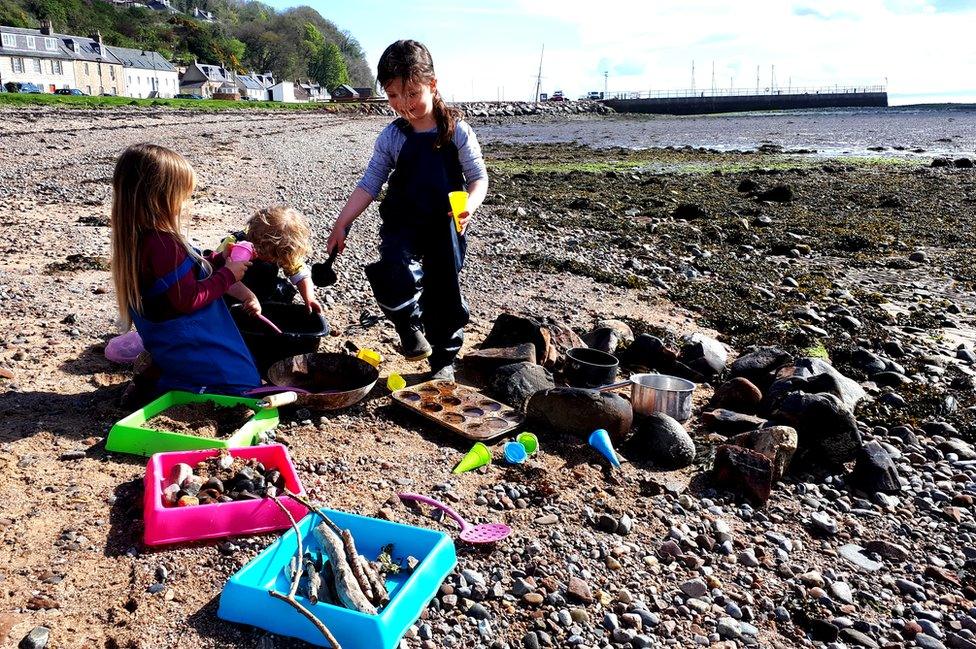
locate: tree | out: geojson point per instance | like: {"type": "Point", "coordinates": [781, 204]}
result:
{"type": "Point", "coordinates": [334, 68]}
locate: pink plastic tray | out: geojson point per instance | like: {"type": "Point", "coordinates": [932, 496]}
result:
{"type": "Point", "coordinates": [183, 524]}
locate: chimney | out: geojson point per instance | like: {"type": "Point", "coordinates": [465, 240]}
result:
{"type": "Point", "coordinates": [46, 27]}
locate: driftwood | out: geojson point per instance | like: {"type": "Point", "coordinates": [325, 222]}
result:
{"type": "Point", "coordinates": [369, 579]}
{"type": "Point", "coordinates": [296, 579]}
{"type": "Point", "coordinates": [314, 581]}
{"type": "Point", "coordinates": [347, 586]}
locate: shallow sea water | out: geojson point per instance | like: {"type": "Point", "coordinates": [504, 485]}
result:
{"type": "Point", "coordinates": [936, 130]}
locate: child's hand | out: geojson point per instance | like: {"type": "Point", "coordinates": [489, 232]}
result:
{"type": "Point", "coordinates": [337, 240]}
{"type": "Point", "coordinates": [462, 220]}
{"type": "Point", "coordinates": [314, 306]}
{"type": "Point", "coordinates": [238, 268]}
{"type": "Point", "coordinates": [251, 305]}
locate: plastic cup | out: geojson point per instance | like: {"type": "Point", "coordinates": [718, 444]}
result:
{"type": "Point", "coordinates": [514, 453]}
{"type": "Point", "coordinates": [243, 251]}
{"type": "Point", "coordinates": [529, 441]}
{"type": "Point", "coordinates": [395, 382]}
{"type": "Point", "coordinates": [478, 456]}
{"type": "Point", "coordinates": [374, 358]}
{"type": "Point", "coordinates": [459, 205]}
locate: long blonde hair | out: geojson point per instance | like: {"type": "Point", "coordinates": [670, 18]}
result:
{"type": "Point", "coordinates": [280, 234]}
{"type": "Point", "coordinates": [151, 184]}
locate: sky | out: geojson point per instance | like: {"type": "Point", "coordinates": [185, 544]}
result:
{"type": "Point", "coordinates": [491, 50]}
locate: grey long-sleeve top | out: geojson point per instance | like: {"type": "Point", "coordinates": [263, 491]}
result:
{"type": "Point", "coordinates": [387, 150]}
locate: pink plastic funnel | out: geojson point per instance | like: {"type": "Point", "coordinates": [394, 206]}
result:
{"type": "Point", "coordinates": [243, 251]}
{"type": "Point", "coordinates": [125, 348]}
{"type": "Point", "coordinates": [483, 533]}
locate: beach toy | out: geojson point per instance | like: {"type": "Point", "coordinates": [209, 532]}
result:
{"type": "Point", "coordinates": [459, 205]}
{"type": "Point", "coordinates": [600, 440]}
{"type": "Point", "coordinates": [243, 251]}
{"type": "Point", "coordinates": [395, 382]}
{"type": "Point", "coordinates": [125, 348]}
{"type": "Point", "coordinates": [514, 452]}
{"type": "Point", "coordinates": [482, 533]}
{"type": "Point", "coordinates": [529, 441]}
{"type": "Point", "coordinates": [374, 358]}
{"type": "Point", "coordinates": [265, 320]}
{"type": "Point", "coordinates": [133, 435]}
{"type": "Point", "coordinates": [478, 456]}
{"type": "Point", "coordinates": [245, 597]}
{"type": "Point", "coordinates": [216, 520]}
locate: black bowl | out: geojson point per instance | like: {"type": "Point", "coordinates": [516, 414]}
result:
{"type": "Point", "coordinates": [301, 332]}
{"type": "Point", "coordinates": [590, 368]}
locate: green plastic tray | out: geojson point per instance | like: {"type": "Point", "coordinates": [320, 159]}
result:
{"type": "Point", "coordinates": [131, 435]}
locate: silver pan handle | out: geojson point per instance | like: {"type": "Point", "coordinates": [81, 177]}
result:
{"type": "Point", "coordinates": [615, 386]}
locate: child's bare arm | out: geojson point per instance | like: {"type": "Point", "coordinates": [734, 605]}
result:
{"type": "Point", "coordinates": [355, 206]}
{"type": "Point", "coordinates": [246, 296]}
{"type": "Point", "coordinates": [307, 290]}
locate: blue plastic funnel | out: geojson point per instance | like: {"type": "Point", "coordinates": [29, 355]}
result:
{"type": "Point", "coordinates": [600, 440]}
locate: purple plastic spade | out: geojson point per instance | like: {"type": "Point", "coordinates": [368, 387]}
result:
{"type": "Point", "coordinates": [483, 533]}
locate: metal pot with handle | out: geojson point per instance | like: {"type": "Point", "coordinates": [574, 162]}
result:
{"type": "Point", "coordinates": [650, 393]}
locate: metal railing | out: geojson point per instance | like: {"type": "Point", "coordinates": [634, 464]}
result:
{"type": "Point", "coordinates": [745, 92]}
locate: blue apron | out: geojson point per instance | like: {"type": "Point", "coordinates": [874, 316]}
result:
{"type": "Point", "coordinates": [416, 280]}
{"type": "Point", "coordinates": [198, 352]}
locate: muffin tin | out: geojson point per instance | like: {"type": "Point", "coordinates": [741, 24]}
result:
{"type": "Point", "coordinates": [460, 408]}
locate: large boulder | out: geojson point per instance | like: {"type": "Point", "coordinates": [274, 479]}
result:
{"type": "Point", "coordinates": [704, 355]}
{"type": "Point", "coordinates": [511, 330]}
{"type": "Point", "coordinates": [483, 363]}
{"type": "Point", "coordinates": [662, 440]}
{"type": "Point", "coordinates": [850, 392]}
{"type": "Point", "coordinates": [741, 470]}
{"type": "Point", "coordinates": [608, 335]}
{"type": "Point", "coordinates": [650, 352]}
{"type": "Point", "coordinates": [759, 365]}
{"type": "Point", "coordinates": [778, 443]}
{"type": "Point", "coordinates": [579, 412]}
{"type": "Point", "coordinates": [515, 384]}
{"type": "Point", "coordinates": [738, 394]}
{"type": "Point", "coordinates": [826, 428]}
{"type": "Point", "coordinates": [874, 470]}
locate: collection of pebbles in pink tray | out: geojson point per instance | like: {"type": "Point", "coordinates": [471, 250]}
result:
{"type": "Point", "coordinates": [220, 479]}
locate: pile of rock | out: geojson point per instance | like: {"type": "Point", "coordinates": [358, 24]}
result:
{"type": "Point", "coordinates": [221, 479]}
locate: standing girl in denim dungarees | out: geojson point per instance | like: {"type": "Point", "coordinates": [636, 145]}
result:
{"type": "Point", "coordinates": [426, 153]}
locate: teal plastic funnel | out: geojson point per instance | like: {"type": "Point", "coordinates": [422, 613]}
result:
{"type": "Point", "coordinates": [600, 440]}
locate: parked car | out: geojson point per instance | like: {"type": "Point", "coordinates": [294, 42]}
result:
{"type": "Point", "coordinates": [24, 86]}
{"type": "Point", "coordinates": [184, 95]}
{"type": "Point", "coordinates": [594, 95]}
{"type": "Point", "coordinates": [557, 96]}
{"type": "Point", "coordinates": [70, 91]}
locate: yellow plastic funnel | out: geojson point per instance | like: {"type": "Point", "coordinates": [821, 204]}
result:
{"type": "Point", "coordinates": [459, 205]}
{"type": "Point", "coordinates": [395, 382]}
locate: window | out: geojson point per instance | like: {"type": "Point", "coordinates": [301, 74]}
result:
{"type": "Point", "coordinates": [31, 43]}
{"type": "Point", "coordinates": [18, 64]}
{"type": "Point", "coordinates": [36, 65]}
{"type": "Point", "coordinates": [57, 67]}
{"type": "Point", "coordinates": [86, 71]}
{"type": "Point", "coordinates": [9, 40]}
{"type": "Point", "coordinates": [50, 44]}
{"type": "Point", "coordinates": [111, 72]}
{"type": "Point", "coordinates": [89, 89]}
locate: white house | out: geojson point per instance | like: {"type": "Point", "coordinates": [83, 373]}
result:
{"type": "Point", "coordinates": [283, 91]}
{"type": "Point", "coordinates": [30, 56]}
{"type": "Point", "coordinates": [147, 73]}
{"type": "Point", "coordinates": [251, 88]}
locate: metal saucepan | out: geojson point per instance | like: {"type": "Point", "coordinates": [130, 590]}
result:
{"type": "Point", "coordinates": [650, 393]}
{"type": "Point", "coordinates": [322, 380]}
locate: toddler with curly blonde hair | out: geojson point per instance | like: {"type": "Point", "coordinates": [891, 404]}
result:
{"type": "Point", "coordinates": [281, 239]}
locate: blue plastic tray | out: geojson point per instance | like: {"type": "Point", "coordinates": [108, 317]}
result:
{"type": "Point", "coordinates": [245, 598]}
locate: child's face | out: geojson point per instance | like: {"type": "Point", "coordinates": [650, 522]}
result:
{"type": "Point", "coordinates": [415, 101]}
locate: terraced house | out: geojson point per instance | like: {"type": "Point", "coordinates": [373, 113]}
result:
{"type": "Point", "coordinates": [32, 56]}
{"type": "Point", "coordinates": [97, 70]}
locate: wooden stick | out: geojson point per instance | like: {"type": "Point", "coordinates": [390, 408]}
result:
{"type": "Point", "coordinates": [347, 586]}
{"type": "Point", "coordinates": [290, 597]}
